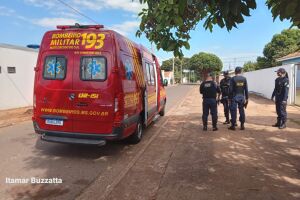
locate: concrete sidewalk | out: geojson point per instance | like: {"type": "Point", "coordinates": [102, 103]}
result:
{"type": "Point", "coordinates": [183, 162]}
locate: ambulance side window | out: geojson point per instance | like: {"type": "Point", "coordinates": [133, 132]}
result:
{"type": "Point", "coordinates": [93, 68]}
{"type": "Point", "coordinates": [152, 73]}
{"type": "Point", "coordinates": [127, 63]}
{"type": "Point", "coordinates": [148, 70]}
{"type": "Point", "coordinates": [55, 68]}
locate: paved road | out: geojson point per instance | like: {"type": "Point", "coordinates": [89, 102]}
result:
{"type": "Point", "coordinates": [24, 156]}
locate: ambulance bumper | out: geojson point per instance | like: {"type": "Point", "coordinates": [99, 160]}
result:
{"type": "Point", "coordinates": [78, 138]}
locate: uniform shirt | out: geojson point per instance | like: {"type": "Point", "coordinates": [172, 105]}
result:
{"type": "Point", "coordinates": [281, 90]}
{"type": "Point", "coordinates": [238, 86]}
{"type": "Point", "coordinates": [209, 89]}
{"type": "Point", "coordinates": [224, 85]}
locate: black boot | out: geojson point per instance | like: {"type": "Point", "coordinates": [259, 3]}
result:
{"type": "Point", "coordinates": [227, 122]}
{"type": "Point", "coordinates": [282, 125]}
{"type": "Point", "coordinates": [242, 126]}
{"type": "Point", "coordinates": [215, 128]}
{"type": "Point", "coordinates": [277, 124]}
{"type": "Point", "coordinates": [204, 128]}
{"type": "Point", "coordinates": [232, 127]}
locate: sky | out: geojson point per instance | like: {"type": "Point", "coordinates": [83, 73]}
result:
{"type": "Point", "coordinates": [24, 22]}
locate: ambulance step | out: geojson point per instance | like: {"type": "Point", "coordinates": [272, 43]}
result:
{"type": "Point", "coordinates": [72, 140]}
{"type": "Point", "coordinates": [155, 118]}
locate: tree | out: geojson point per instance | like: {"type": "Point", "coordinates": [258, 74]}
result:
{"type": "Point", "coordinates": [263, 62]}
{"type": "Point", "coordinates": [167, 65]}
{"type": "Point", "coordinates": [205, 62]}
{"type": "Point", "coordinates": [249, 66]}
{"type": "Point", "coordinates": [168, 23]}
{"type": "Point", "coordinates": [281, 45]}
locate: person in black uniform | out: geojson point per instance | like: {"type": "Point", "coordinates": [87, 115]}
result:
{"type": "Point", "coordinates": [281, 92]}
{"type": "Point", "coordinates": [224, 85]}
{"type": "Point", "coordinates": [210, 90]}
{"type": "Point", "coordinates": [238, 96]}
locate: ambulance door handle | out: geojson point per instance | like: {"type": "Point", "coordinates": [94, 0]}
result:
{"type": "Point", "coordinates": [71, 96]}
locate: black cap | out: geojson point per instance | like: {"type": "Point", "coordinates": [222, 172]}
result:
{"type": "Point", "coordinates": [281, 70]}
{"type": "Point", "coordinates": [238, 70]}
{"type": "Point", "coordinates": [226, 73]}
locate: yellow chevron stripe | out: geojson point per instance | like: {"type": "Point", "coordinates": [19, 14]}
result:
{"type": "Point", "coordinates": [139, 70]}
{"type": "Point", "coordinates": [136, 67]}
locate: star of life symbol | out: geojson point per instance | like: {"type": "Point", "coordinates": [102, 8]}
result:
{"type": "Point", "coordinates": [94, 68]}
{"type": "Point", "coordinates": [53, 67]}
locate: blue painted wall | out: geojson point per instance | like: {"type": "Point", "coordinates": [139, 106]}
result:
{"type": "Point", "coordinates": [291, 61]}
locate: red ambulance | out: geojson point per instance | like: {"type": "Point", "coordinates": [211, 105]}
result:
{"type": "Point", "coordinates": [93, 85]}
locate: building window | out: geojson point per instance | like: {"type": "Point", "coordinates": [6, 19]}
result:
{"type": "Point", "coordinates": [11, 70]}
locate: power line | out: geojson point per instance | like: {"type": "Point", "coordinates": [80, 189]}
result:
{"type": "Point", "coordinates": [77, 11]}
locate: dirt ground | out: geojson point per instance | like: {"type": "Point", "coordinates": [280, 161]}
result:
{"type": "Point", "coordinates": [13, 116]}
{"type": "Point", "coordinates": [177, 160]}
{"type": "Point", "coordinates": [183, 162]}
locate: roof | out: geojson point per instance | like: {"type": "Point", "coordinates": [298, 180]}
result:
{"type": "Point", "coordinates": [290, 56]}
{"type": "Point", "coordinates": [10, 46]}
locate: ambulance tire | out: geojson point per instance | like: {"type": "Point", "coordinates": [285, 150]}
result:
{"type": "Point", "coordinates": [136, 137]}
{"type": "Point", "coordinates": [162, 112]}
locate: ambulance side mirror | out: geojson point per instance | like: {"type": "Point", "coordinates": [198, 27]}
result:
{"type": "Point", "coordinates": [36, 69]}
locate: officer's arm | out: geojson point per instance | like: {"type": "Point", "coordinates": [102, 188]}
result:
{"type": "Point", "coordinates": [286, 90]}
{"type": "Point", "coordinates": [231, 85]}
{"type": "Point", "coordinates": [201, 88]}
{"type": "Point", "coordinates": [246, 89]}
{"type": "Point", "coordinates": [274, 91]}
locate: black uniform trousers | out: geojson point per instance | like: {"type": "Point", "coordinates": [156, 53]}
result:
{"type": "Point", "coordinates": [225, 103]}
{"type": "Point", "coordinates": [209, 105]}
{"type": "Point", "coordinates": [281, 111]}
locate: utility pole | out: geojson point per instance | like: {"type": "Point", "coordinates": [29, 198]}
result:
{"type": "Point", "coordinates": [173, 72]}
{"type": "Point", "coordinates": [181, 73]}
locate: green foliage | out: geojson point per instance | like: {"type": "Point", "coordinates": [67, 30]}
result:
{"type": "Point", "coordinates": [205, 62]}
{"type": "Point", "coordinates": [281, 45]}
{"type": "Point", "coordinates": [285, 9]}
{"type": "Point", "coordinates": [263, 62]}
{"type": "Point", "coordinates": [168, 23]}
{"type": "Point", "coordinates": [167, 65]}
{"type": "Point", "coordinates": [200, 63]}
{"type": "Point", "coordinates": [249, 66]}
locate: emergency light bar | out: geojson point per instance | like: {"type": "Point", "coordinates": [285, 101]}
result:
{"type": "Point", "coordinates": [98, 26]}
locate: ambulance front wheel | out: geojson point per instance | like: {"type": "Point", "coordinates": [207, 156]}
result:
{"type": "Point", "coordinates": [136, 137]}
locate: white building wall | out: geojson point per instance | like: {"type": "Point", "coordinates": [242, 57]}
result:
{"type": "Point", "coordinates": [298, 77]}
{"type": "Point", "coordinates": [16, 89]}
{"type": "Point", "coordinates": [262, 81]}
